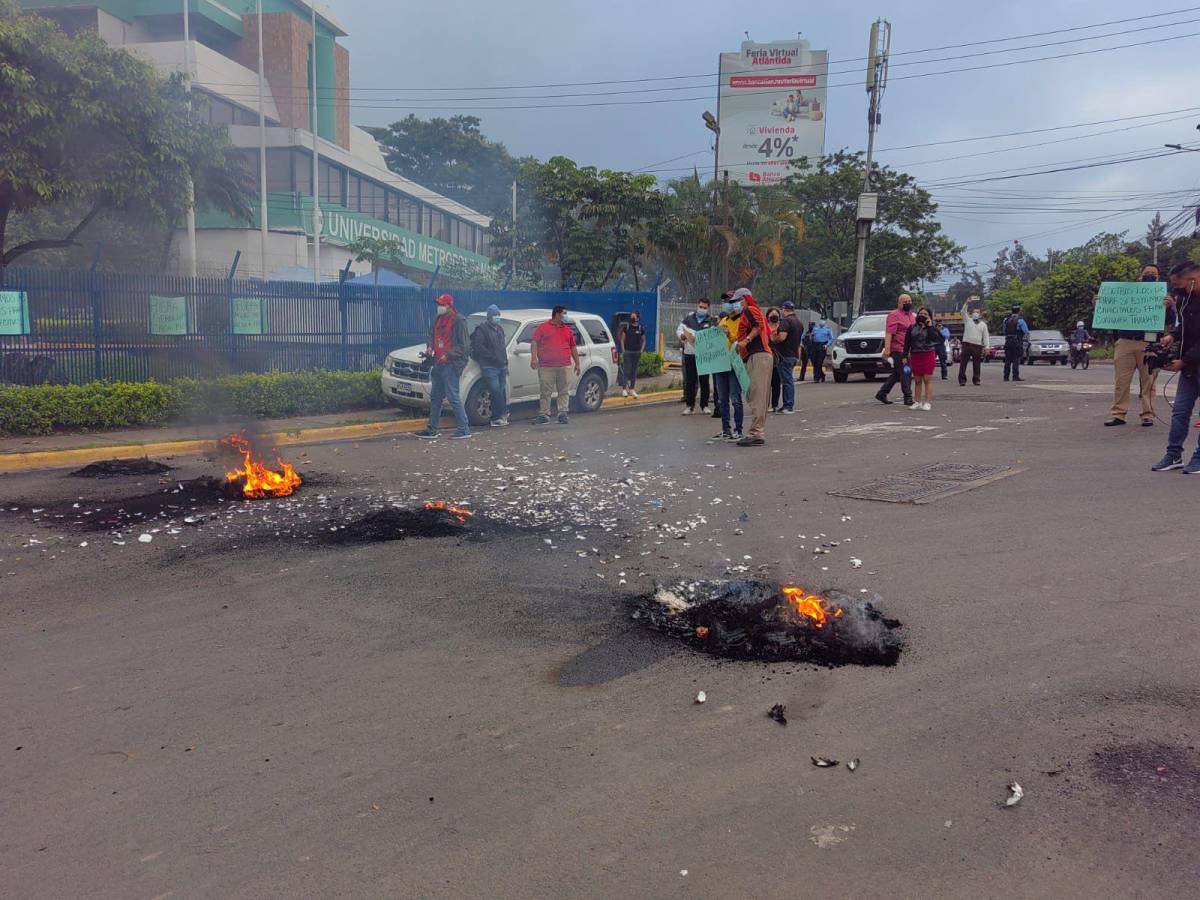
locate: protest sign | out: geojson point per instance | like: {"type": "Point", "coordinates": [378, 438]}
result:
{"type": "Point", "coordinates": [168, 315]}
{"type": "Point", "coordinates": [712, 351]}
{"type": "Point", "coordinates": [14, 312]}
{"type": "Point", "coordinates": [1131, 306]}
{"type": "Point", "coordinates": [742, 373]}
{"type": "Point", "coordinates": [247, 315]}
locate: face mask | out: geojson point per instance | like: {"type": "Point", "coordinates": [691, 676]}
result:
{"type": "Point", "coordinates": [737, 308]}
{"type": "Point", "coordinates": [1149, 278]}
{"type": "Point", "coordinates": [774, 320]}
{"type": "Point", "coordinates": [923, 320]}
{"type": "Point", "coordinates": [975, 317]}
{"type": "Point", "coordinates": [633, 322]}
{"type": "Point", "coordinates": [822, 323]}
{"type": "Point", "coordinates": [726, 308]}
{"type": "Point", "coordinates": [907, 307]}
{"type": "Point", "coordinates": [442, 310]}
{"type": "Point", "coordinates": [1182, 295]}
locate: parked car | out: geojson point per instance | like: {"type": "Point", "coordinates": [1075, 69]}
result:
{"type": "Point", "coordinates": [858, 349]}
{"type": "Point", "coordinates": [405, 380]}
{"type": "Point", "coordinates": [1050, 345]}
{"type": "Point", "coordinates": [995, 349]}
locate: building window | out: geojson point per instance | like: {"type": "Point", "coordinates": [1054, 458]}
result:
{"type": "Point", "coordinates": [375, 200]}
{"type": "Point", "coordinates": [354, 193]}
{"type": "Point", "coordinates": [302, 172]}
{"type": "Point", "coordinates": [403, 211]}
{"type": "Point", "coordinates": [279, 170]}
{"type": "Point", "coordinates": [332, 181]}
{"type": "Point", "coordinates": [439, 226]}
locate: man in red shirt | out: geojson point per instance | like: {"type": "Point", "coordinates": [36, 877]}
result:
{"type": "Point", "coordinates": [552, 352]}
{"type": "Point", "coordinates": [899, 320]}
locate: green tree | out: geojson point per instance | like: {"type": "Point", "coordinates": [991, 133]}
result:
{"type": "Point", "coordinates": [681, 237]}
{"type": "Point", "coordinates": [90, 129]}
{"type": "Point", "coordinates": [375, 250]}
{"type": "Point", "coordinates": [451, 156]}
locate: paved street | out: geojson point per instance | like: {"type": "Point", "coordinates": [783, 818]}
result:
{"type": "Point", "coordinates": [244, 709]}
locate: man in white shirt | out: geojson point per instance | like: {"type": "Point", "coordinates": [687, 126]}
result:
{"type": "Point", "coordinates": [974, 343]}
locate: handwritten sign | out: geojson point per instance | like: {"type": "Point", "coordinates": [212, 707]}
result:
{"type": "Point", "coordinates": [712, 351]}
{"type": "Point", "coordinates": [743, 374]}
{"type": "Point", "coordinates": [168, 315]}
{"type": "Point", "coordinates": [247, 315]}
{"type": "Point", "coordinates": [1131, 306]}
{"type": "Point", "coordinates": [14, 312]}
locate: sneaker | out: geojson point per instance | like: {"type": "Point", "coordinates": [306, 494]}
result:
{"type": "Point", "coordinates": [504, 420]}
{"type": "Point", "coordinates": [1015, 378]}
{"type": "Point", "coordinates": [788, 412]}
{"type": "Point", "coordinates": [977, 383]}
{"type": "Point", "coordinates": [1147, 423]}
{"type": "Point", "coordinates": [704, 410]}
{"type": "Point", "coordinates": [460, 436]}
{"type": "Point", "coordinates": [927, 406]}
{"type": "Point", "coordinates": [624, 392]}
{"type": "Point", "coordinates": [1167, 463]}
{"type": "Point", "coordinates": [751, 442]}
{"type": "Point", "coordinates": [1193, 467]}
{"type": "Point", "coordinates": [916, 406]}
{"type": "Point", "coordinates": [963, 382]}
{"type": "Point", "coordinates": [687, 412]}
{"type": "Point", "coordinates": [634, 394]}
{"type": "Point", "coordinates": [563, 420]}
{"type": "Point", "coordinates": [541, 420]}
{"type": "Point", "coordinates": [737, 436]}
{"type": "Point", "coordinates": [1114, 421]}
{"type": "Point", "coordinates": [429, 434]}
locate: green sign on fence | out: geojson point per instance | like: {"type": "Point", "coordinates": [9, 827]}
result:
{"type": "Point", "coordinates": [168, 315]}
{"type": "Point", "coordinates": [1131, 306]}
{"type": "Point", "coordinates": [14, 312]}
{"type": "Point", "coordinates": [712, 351]}
{"type": "Point", "coordinates": [740, 370]}
{"type": "Point", "coordinates": [247, 315]}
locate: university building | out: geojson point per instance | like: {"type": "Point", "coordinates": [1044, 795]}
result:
{"type": "Point", "coordinates": [358, 194]}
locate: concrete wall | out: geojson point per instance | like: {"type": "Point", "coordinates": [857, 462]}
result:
{"type": "Point", "coordinates": [216, 73]}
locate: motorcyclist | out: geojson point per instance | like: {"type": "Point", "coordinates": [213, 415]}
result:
{"type": "Point", "coordinates": [1081, 335]}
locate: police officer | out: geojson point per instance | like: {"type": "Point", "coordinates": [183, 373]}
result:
{"type": "Point", "coordinates": [1015, 331]}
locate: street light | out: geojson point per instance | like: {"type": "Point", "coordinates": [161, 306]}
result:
{"type": "Point", "coordinates": [1182, 148]}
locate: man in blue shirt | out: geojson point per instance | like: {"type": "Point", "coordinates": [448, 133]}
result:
{"type": "Point", "coordinates": [943, 348]}
{"type": "Point", "coordinates": [1015, 331]}
{"type": "Point", "coordinates": [822, 337]}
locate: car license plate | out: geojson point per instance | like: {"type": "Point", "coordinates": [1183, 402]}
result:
{"type": "Point", "coordinates": [405, 386]}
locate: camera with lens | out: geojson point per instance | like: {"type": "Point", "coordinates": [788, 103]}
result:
{"type": "Point", "coordinates": [1159, 357]}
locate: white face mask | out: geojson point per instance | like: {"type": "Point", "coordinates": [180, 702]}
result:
{"type": "Point", "coordinates": [443, 310]}
{"type": "Point", "coordinates": [822, 323]}
{"type": "Point", "coordinates": [975, 317]}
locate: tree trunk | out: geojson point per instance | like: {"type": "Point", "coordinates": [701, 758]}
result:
{"type": "Point", "coordinates": [51, 243]}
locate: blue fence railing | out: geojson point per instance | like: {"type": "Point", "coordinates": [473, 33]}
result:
{"type": "Point", "coordinates": [92, 326]}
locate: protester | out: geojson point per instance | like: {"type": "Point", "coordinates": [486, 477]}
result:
{"type": "Point", "coordinates": [974, 344]}
{"type": "Point", "coordinates": [806, 351]}
{"type": "Point", "coordinates": [631, 340]}
{"type": "Point", "coordinates": [1129, 355]}
{"type": "Point", "coordinates": [773, 315]}
{"type": "Point", "coordinates": [489, 348]}
{"type": "Point", "coordinates": [1183, 341]}
{"type": "Point", "coordinates": [1015, 331]}
{"type": "Point", "coordinates": [552, 352]}
{"type": "Point", "coordinates": [695, 321]}
{"type": "Point", "coordinates": [754, 345]}
{"type": "Point", "coordinates": [447, 349]}
{"type": "Point", "coordinates": [786, 340]}
{"type": "Point", "coordinates": [822, 337]}
{"type": "Point", "coordinates": [899, 320]}
{"type": "Point", "coordinates": [728, 389]}
{"type": "Point", "coordinates": [920, 346]}
{"type": "Point", "coordinates": [943, 349]}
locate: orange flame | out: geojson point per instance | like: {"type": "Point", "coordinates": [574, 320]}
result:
{"type": "Point", "coordinates": [257, 480]}
{"type": "Point", "coordinates": [811, 606]}
{"type": "Point", "coordinates": [460, 513]}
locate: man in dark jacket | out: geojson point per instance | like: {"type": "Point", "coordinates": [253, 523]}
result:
{"type": "Point", "coordinates": [489, 348]}
{"type": "Point", "coordinates": [447, 349]}
{"type": "Point", "coordinates": [1184, 343]}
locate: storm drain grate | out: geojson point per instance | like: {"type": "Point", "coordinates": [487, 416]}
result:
{"type": "Point", "coordinates": [926, 484]}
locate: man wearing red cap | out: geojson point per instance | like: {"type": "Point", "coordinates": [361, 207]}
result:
{"type": "Point", "coordinates": [447, 349]}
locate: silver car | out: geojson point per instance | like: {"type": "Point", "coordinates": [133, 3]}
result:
{"type": "Point", "coordinates": [1048, 345]}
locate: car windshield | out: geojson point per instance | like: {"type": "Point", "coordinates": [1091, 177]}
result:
{"type": "Point", "coordinates": [510, 327]}
{"type": "Point", "coordinates": [1045, 336]}
{"type": "Point", "coordinates": [869, 323]}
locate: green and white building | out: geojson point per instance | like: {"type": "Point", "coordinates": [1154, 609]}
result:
{"type": "Point", "coordinates": [357, 193]}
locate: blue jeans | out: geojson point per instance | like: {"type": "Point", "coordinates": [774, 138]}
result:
{"type": "Point", "coordinates": [443, 385]}
{"type": "Point", "coordinates": [1186, 396]}
{"type": "Point", "coordinates": [728, 390]}
{"type": "Point", "coordinates": [497, 379]}
{"type": "Point", "coordinates": [785, 366]}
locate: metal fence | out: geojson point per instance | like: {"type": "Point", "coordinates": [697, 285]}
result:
{"type": "Point", "coordinates": [93, 326]}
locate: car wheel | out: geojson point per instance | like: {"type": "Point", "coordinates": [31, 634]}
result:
{"type": "Point", "coordinates": [840, 377]}
{"type": "Point", "coordinates": [870, 376]}
{"type": "Point", "coordinates": [479, 404]}
{"type": "Point", "coordinates": [589, 394]}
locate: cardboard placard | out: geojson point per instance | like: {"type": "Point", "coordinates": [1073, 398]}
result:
{"type": "Point", "coordinates": [712, 351]}
{"type": "Point", "coordinates": [14, 312]}
{"type": "Point", "coordinates": [1131, 306]}
{"type": "Point", "coordinates": [247, 315]}
{"type": "Point", "coordinates": [169, 315]}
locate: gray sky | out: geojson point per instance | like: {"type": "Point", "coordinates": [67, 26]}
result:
{"type": "Point", "coordinates": [482, 45]}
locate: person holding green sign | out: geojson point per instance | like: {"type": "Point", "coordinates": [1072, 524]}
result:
{"type": "Point", "coordinates": [1183, 343]}
{"type": "Point", "coordinates": [1129, 356]}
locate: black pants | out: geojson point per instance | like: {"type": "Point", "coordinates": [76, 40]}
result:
{"type": "Point", "coordinates": [818, 362]}
{"type": "Point", "coordinates": [776, 388]}
{"type": "Point", "coordinates": [972, 353]}
{"type": "Point", "coordinates": [941, 356]}
{"type": "Point", "coordinates": [803, 363]}
{"type": "Point", "coordinates": [629, 370]}
{"type": "Point", "coordinates": [691, 380]}
{"type": "Point", "coordinates": [1012, 359]}
{"type": "Point", "coordinates": [900, 377]}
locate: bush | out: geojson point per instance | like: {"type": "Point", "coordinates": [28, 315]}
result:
{"type": "Point", "coordinates": [651, 364]}
{"type": "Point", "coordinates": [45, 409]}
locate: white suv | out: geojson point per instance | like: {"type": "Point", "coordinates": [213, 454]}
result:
{"type": "Point", "coordinates": [405, 378]}
{"type": "Point", "coordinates": [859, 349]}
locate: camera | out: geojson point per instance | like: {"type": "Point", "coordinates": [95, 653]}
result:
{"type": "Point", "coordinates": [1158, 356]}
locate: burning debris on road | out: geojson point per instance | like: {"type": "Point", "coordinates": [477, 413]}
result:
{"type": "Point", "coordinates": [754, 620]}
{"type": "Point", "coordinates": [121, 468]}
{"type": "Point", "coordinates": [256, 479]}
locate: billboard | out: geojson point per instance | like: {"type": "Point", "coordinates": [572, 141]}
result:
{"type": "Point", "coordinates": [771, 109]}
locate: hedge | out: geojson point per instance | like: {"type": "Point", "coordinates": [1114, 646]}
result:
{"type": "Point", "coordinates": [99, 406]}
{"type": "Point", "coordinates": [651, 364]}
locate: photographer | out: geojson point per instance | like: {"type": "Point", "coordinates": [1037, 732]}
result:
{"type": "Point", "coordinates": [1183, 343]}
{"type": "Point", "coordinates": [1129, 356]}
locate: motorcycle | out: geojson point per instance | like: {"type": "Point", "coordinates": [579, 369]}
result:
{"type": "Point", "coordinates": [1080, 356]}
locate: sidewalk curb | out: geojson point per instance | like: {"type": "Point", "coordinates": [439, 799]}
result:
{"type": "Point", "coordinates": [54, 459]}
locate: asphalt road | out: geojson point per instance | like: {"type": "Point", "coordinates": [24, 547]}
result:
{"type": "Point", "coordinates": [242, 709]}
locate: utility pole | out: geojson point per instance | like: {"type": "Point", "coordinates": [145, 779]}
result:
{"type": "Point", "coordinates": [513, 270]}
{"type": "Point", "coordinates": [316, 173]}
{"type": "Point", "coordinates": [262, 145]}
{"type": "Point", "coordinates": [710, 122]}
{"type": "Point", "coordinates": [191, 186]}
{"type": "Point", "coordinates": [868, 203]}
